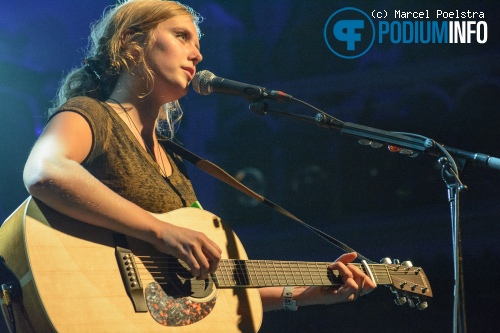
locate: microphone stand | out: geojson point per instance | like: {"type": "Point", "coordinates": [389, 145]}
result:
{"type": "Point", "coordinates": [411, 145]}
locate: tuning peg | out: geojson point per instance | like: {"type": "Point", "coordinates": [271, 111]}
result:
{"type": "Point", "coordinates": [400, 299]}
{"type": "Point", "coordinates": [395, 261]}
{"type": "Point", "coordinates": [421, 305]}
{"type": "Point", "coordinates": [411, 303]}
{"type": "Point", "coordinates": [386, 261]}
{"type": "Point", "coordinates": [407, 263]}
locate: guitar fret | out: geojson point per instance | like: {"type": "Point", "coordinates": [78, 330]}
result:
{"type": "Point", "coordinates": [294, 267]}
{"type": "Point", "coordinates": [385, 270]}
{"type": "Point", "coordinates": [265, 268]}
{"type": "Point", "coordinates": [318, 269]}
{"type": "Point", "coordinates": [284, 275]}
{"type": "Point", "coordinates": [261, 273]}
{"type": "Point", "coordinates": [310, 274]}
{"type": "Point", "coordinates": [225, 276]}
{"type": "Point", "coordinates": [375, 274]}
{"type": "Point", "coordinates": [380, 273]}
{"type": "Point", "coordinates": [271, 273]}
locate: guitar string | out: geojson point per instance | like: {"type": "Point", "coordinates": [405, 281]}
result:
{"type": "Point", "coordinates": [244, 261]}
{"type": "Point", "coordinates": [252, 274]}
{"type": "Point", "coordinates": [310, 263]}
{"type": "Point", "coordinates": [230, 280]}
{"type": "Point", "coordinates": [268, 273]}
{"type": "Point", "coordinates": [420, 291]}
{"type": "Point", "coordinates": [234, 270]}
{"type": "Point", "coordinates": [285, 266]}
{"type": "Point", "coordinates": [283, 280]}
{"type": "Point", "coordinates": [316, 277]}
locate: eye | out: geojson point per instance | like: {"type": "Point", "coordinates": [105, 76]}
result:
{"type": "Point", "coordinates": [182, 35]}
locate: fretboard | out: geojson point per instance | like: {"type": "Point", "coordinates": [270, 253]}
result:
{"type": "Point", "coordinates": [265, 273]}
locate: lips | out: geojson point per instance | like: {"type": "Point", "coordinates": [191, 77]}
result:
{"type": "Point", "coordinates": [191, 71]}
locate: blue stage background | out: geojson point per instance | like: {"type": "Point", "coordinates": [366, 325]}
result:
{"type": "Point", "coordinates": [380, 203]}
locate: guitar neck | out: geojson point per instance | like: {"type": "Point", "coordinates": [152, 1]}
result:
{"type": "Point", "coordinates": [265, 273]}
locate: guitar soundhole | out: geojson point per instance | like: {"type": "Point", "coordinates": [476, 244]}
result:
{"type": "Point", "coordinates": [180, 283]}
{"type": "Point", "coordinates": [181, 300]}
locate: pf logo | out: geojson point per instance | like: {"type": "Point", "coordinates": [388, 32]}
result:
{"type": "Point", "coordinates": [349, 33]}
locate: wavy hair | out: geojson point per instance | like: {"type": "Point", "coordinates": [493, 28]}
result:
{"type": "Point", "coordinates": [107, 56]}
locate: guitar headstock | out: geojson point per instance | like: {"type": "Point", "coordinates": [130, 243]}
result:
{"type": "Point", "coordinates": [408, 283]}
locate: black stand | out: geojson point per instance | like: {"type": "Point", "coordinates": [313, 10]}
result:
{"type": "Point", "coordinates": [411, 145]}
{"type": "Point", "coordinates": [454, 188]}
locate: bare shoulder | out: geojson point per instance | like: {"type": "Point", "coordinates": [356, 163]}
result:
{"type": "Point", "coordinates": [68, 134]}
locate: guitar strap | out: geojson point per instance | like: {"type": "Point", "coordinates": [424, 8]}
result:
{"type": "Point", "coordinates": [217, 172]}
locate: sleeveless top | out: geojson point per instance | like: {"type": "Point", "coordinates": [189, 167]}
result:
{"type": "Point", "coordinates": [118, 160]}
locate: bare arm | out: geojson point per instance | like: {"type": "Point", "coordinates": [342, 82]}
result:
{"type": "Point", "coordinates": [54, 175]}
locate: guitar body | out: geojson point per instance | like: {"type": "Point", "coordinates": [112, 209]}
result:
{"type": "Point", "coordinates": [71, 281]}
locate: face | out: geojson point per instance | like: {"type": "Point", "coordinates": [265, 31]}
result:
{"type": "Point", "coordinates": [174, 56]}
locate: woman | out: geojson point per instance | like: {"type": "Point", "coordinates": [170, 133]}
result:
{"type": "Point", "coordinates": [99, 159]}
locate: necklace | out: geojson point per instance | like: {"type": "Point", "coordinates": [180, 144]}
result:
{"type": "Point", "coordinates": [161, 167]}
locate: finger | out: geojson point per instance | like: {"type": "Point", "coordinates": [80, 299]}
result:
{"type": "Point", "coordinates": [213, 259]}
{"type": "Point", "coordinates": [215, 247]}
{"type": "Point", "coordinates": [344, 272]}
{"type": "Point", "coordinates": [342, 268]}
{"type": "Point", "coordinates": [350, 288]}
{"type": "Point", "coordinates": [212, 249]}
{"type": "Point", "coordinates": [355, 270]}
{"type": "Point", "coordinates": [360, 283]}
{"type": "Point", "coordinates": [360, 276]}
{"type": "Point", "coordinates": [347, 257]}
{"type": "Point", "coordinates": [203, 264]}
{"type": "Point", "coordinates": [212, 253]}
{"type": "Point", "coordinates": [192, 263]}
{"type": "Point", "coordinates": [351, 285]}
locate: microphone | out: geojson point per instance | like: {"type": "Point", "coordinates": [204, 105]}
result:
{"type": "Point", "coordinates": [477, 159]}
{"type": "Point", "coordinates": [205, 83]}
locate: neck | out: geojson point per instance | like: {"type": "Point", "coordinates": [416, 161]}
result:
{"type": "Point", "coordinates": [142, 105]}
{"type": "Point", "coordinates": [142, 125]}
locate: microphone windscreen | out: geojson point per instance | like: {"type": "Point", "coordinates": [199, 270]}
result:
{"type": "Point", "coordinates": [201, 82]}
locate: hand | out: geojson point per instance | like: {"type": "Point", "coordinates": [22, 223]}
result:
{"type": "Point", "coordinates": [355, 283]}
{"type": "Point", "coordinates": [199, 252]}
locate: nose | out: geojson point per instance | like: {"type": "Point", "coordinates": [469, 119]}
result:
{"type": "Point", "coordinates": [196, 56]}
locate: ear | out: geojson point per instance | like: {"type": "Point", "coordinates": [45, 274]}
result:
{"type": "Point", "coordinates": [126, 38]}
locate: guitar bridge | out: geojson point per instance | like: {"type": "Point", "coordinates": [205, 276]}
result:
{"type": "Point", "coordinates": [131, 279]}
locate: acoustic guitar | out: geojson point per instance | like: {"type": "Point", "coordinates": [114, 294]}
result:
{"type": "Point", "coordinates": [76, 277]}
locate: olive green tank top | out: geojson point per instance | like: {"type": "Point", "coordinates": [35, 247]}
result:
{"type": "Point", "coordinates": [121, 163]}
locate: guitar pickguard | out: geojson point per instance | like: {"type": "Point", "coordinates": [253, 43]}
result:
{"type": "Point", "coordinates": [175, 311]}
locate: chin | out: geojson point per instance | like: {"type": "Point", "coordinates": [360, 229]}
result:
{"type": "Point", "coordinates": [173, 94]}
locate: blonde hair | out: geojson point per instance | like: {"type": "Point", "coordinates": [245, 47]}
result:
{"type": "Point", "coordinates": [107, 57]}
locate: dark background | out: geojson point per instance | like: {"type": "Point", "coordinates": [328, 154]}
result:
{"type": "Point", "coordinates": [380, 203]}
